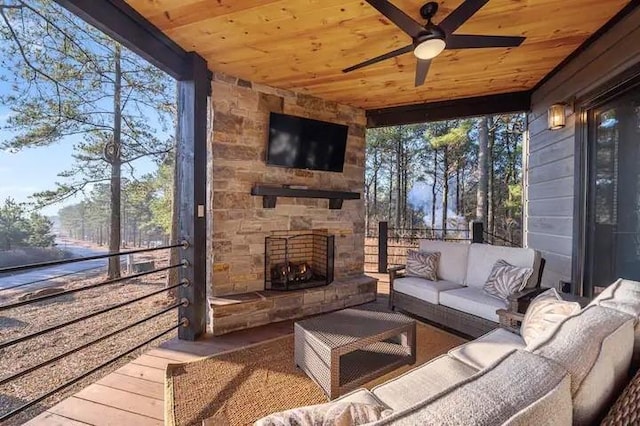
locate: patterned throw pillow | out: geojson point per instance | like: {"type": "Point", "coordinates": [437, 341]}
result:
{"type": "Point", "coordinates": [506, 279]}
{"type": "Point", "coordinates": [543, 314]}
{"type": "Point", "coordinates": [423, 264]}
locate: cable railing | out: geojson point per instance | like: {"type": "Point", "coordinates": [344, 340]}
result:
{"type": "Point", "coordinates": [504, 241]}
{"type": "Point", "coordinates": [48, 264]}
{"type": "Point", "coordinates": [389, 246]}
{"type": "Point", "coordinates": [55, 277]}
{"type": "Point", "coordinates": [7, 307]}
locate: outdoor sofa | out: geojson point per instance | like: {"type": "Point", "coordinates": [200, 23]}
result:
{"type": "Point", "coordinates": [457, 300]}
{"type": "Point", "coordinates": [572, 374]}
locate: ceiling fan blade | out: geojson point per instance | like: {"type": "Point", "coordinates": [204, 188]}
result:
{"type": "Point", "coordinates": [380, 58]}
{"type": "Point", "coordinates": [398, 17]}
{"type": "Point", "coordinates": [459, 16]}
{"type": "Point", "coordinates": [463, 41]}
{"type": "Point", "coordinates": [422, 69]}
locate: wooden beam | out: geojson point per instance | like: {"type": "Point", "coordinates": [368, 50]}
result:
{"type": "Point", "coordinates": [122, 23]}
{"type": "Point", "coordinates": [191, 160]}
{"type": "Point", "coordinates": [446, 110]}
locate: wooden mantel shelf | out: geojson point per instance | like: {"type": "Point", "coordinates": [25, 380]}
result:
{"type": "Point", "coordinates": [270, 195]}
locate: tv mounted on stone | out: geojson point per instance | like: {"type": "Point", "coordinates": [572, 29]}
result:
{"type": "Point", "coordinates": [303, 143]}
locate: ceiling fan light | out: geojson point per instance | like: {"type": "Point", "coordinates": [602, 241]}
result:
{"type": "Point", "coordinates": [429, 48]}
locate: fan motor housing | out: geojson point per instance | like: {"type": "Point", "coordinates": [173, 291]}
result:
{"type": "Point", "coordinates": [429, 10]}
{"type": "Point", "coordinates": [431, 31]}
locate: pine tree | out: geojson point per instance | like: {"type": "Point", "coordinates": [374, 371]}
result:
{"type": "Point", "coordinates": [75, 85]}
{"type": "Point", "coordinates": [13, 225]}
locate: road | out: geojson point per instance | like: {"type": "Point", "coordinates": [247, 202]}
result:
{"type": "Point", "coordinates": [40, 278]}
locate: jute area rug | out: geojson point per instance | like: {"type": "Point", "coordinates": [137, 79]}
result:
{"type": "Point", "coordinates": [240, 387]}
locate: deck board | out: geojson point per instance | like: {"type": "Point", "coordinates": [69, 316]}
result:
{"type": "Point", "coordinates": [101, 415]}
{"type": "Point", "coordinates": [132, 385]}
{"type": "Point", "coordinates": [142, 372]}
{"type": "Point", "coordinates": [152, 361]}
{"type": "Point", "coordinates": [123, 400]}
{"type": "Point", "coordinates": [134, 394]}
{"type": "Point", "coordinates": [51, 419]}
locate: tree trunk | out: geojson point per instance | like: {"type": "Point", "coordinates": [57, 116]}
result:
{"type": "Point", "coordinates": [390, 206]}
{"type": "Point", "coordinates": [375, 183]}
{"type": "Point", "coordinates": [124, 225]}
{"type": "Point", "coordinates": [405, 189]}
{"type": "Point", "coordinates": [490, 190]}
{"type": "Point", "coordinates": [116, 165]}
{"type": "Point", "coordinates": [445, 190]}
{"type": "Point", "coordinates": [483, 172]}
{"type": "Point", "coordinates": [463, 206]}
{"type": "Point", "coordinates": [433, 189]}
{"type": "Point", "coordinates": [458, 190]}
{"type": "Point", "coordinates": [173, 275]}
{"type": "Point", "coordinates": [82, 213]}
{"type": "Point", "coordinates": [398, 218]}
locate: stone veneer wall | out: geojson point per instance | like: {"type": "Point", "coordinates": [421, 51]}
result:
{"type": "Point", "coordinates": [240, 223]}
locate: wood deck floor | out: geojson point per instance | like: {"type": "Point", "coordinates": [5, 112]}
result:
{"type": "Point", "coordinates": [134, 394]}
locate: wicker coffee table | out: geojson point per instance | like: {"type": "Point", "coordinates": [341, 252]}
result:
{"type": "Point", "coordinates": [345, 349]}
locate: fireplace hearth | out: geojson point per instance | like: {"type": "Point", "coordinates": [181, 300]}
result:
{"type": "Point", "coordinates": [299, 261]}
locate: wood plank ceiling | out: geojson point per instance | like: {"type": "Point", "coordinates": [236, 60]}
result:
{"type": "Point", "coordinates": [303, 45]}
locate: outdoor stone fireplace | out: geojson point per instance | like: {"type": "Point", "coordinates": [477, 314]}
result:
{"type": "Point", "coordinates": [298, 260]}
{"type": "Point", "coordinates": [242, 228]}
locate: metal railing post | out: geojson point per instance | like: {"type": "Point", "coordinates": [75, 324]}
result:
{"type": "Point", "coordinates": [477, 232]}
{"type": "Point", "coordinates": [383, 242]}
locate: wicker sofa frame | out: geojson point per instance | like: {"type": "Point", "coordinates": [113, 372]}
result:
{"type": "Point", "coordinates": [454, 319]}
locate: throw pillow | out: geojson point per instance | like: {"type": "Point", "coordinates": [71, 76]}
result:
{"type": "Point", "coordinates": [544, 313]}
{"type": "Point", "coordinates": [332, 413]}
{"type": "Point", "coordinates": [506, 279]}
{"type": "Point", "coordinates": [423, 264]}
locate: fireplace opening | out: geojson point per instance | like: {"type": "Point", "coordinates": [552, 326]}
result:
{"type": "Point", "coordinates": [298, 261]}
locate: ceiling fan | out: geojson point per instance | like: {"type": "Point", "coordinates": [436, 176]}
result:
{"type": "Point", "coordinates": [431, 39]}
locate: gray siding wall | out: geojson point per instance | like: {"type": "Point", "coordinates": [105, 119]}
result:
{"type": "Point", "coordinates": [549, 155]}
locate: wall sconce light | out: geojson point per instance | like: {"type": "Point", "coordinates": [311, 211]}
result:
{"type": "Point", "coordinates": [557, 116]}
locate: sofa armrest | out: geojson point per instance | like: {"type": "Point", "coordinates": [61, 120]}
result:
{"type": "Point", "coordinates": [394, 272]}
{"type": "Point", "coordinates": [396, 269]}
{"type": "Point", "coordinates": [519, 302]}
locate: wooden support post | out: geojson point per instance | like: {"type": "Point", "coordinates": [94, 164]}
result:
{"type": "Point", "coordinates": [477, 232]}
{"type": "Point", "coordinates": [191, 161]}
{"type": "Point", "coordinates": [383, 239]}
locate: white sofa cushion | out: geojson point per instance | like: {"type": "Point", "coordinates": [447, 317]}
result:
{"type": "Point", "coordinates": [624, 296]}
{"type": "Point", "coordinates": [423, 289]}
{"type": "Point", "coordinates": [595, 347]}
{"type": "Point", "coordinates": [521, 389]}
{"type": "Point", "coordinates": [488, 349]}
{"type": "Point", "coordinates": [422, 382]}
{"type": "Point", "coordinates": [453, 258]}
{"type": "Point", "coordinates": [331, 413]}
{"type": "Point", "coordinates": [482, 257]}
{"type": "Point", "coordinates": [474, 301]}
{"type": "Point", "coordinates": [362, 396]}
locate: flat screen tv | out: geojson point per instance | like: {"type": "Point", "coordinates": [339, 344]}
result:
{"type": "Point", "coordinates": [303, 143]}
